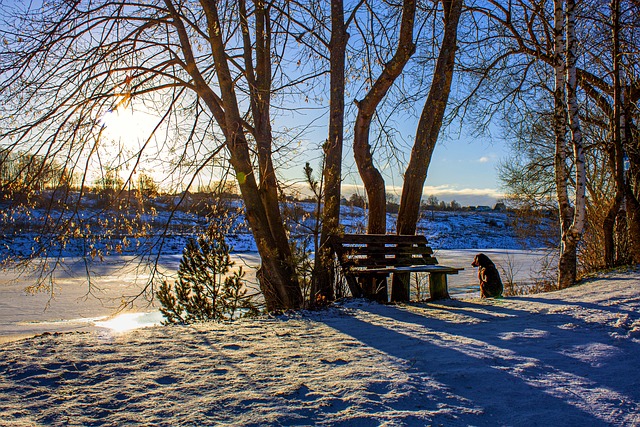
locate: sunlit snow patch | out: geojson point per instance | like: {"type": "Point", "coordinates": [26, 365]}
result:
{"type": "Point", "coordinates": [129, 321]}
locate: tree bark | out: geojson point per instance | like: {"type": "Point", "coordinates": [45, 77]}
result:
{"type": "Point", "coordinates": [430, 122]}
{"type": "Point", "coordinates": [278, 281]}
{"type": "Point", "coordinates": [371, 177]}
{"type": "Point", "coordinates": [322, 286]}
{"type": "Point", "coordinates": [567, 267]}
{"type": "Point", "coordinates": [616, 150]}
{"type": "Point", "coordinates": [567, 259]}
{"type": "Point", "coordinates": [609, 231]}
{"type": "Point", "coordinates": [427, 134]}
{"type": "Point", "coordinates": [260, 97]}
{"type": "Point", "coordinates": [632, 175]}
{"type": "Point", "coordinates": [633, 224]}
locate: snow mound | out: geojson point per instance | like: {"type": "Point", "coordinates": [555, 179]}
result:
{"type": "Point", "coordinates": [562, 359]}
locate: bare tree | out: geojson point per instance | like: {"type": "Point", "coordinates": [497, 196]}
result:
{"type": "Point", "coordinates": [371, 177]}
{"type": "Point", "coordinates": [526, 31]}
{"type": "Point", "coordinates": [322, 289]}
{"type": "Point", "coordinates": [427, 134]}
{"type": "Point", "coordinates": [207, 64]}
{"type": "Point", "coordinates": [616, 150]}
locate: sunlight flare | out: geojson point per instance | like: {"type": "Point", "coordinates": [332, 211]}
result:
{"type": "Point", "coordinates": [129, 321]}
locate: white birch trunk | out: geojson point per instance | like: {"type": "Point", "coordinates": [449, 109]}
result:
{"type": "Point", "coordinates": [560, 128]}
{"type": "Point", "coordinates": [572, 220]}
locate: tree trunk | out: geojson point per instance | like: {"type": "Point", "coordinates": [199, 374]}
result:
{"type": "Point", "coordinates": [608, 231]}
{"type": "Point", "coordinates": [278, 281]}
{"type": "Point", "coordinates": [567, 263]}
{"type": "Point", "coordinates": [631, 143]}
{"type": "Point", "coordinates": [561, 173]}
{"type": "Point", "coordinates": [570, 236]}
{"type": "Point", "coordinates": [615, 153]}
{"type": "Point", "coordinates": [322, 287]}
{"type": "Point", "coordinates": [260, 97]}
{"type": "Point", "coordinates": [371, 177]}
{"type": "Point", "coordinates": [633, 224]}
{"type": "Point", "coordinates": [430, 122]}
{"type": "Point", "coordinates": [427, 135]}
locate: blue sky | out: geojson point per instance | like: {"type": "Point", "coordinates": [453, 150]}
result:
{"type": "Point", "coordinates": [465, 170]}
{"type": "Point", "coordinates": [463, 167]}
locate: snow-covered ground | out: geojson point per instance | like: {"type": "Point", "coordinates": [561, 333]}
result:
{"type": "Point", "coordinates": [567, 358]}
{"type": "Point", "coordinates": [21, 232]}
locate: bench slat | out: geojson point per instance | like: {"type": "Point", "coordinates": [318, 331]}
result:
{"type": "Point", "coordinates": [372, 262]}
{"type": "Point", "coordinates": [373, 250]}
{"type": "Point", "coordinates": [406, 269]}
{"type": "Point", "coordinates": [381, 238]}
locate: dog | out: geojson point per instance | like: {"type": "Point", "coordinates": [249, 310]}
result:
{"type": "Point", "coordinates": [490, 282]}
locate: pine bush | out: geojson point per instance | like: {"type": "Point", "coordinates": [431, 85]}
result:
{"type": "Point", "coordinates": [205, 291]}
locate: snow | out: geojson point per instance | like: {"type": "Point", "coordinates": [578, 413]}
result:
{"type": "Point", "coordinates": [78, 303]}
{"type": "Point", "coordinates": [566, 358]}
{"type": "Point", "coordinates": [443, 229]}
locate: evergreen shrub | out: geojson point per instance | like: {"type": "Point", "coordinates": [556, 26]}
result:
{"type": "Point", "coordinates": [205, 291]}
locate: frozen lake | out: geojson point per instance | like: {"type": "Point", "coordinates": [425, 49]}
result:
{"type": "Point", "coordinates": [79, 305]}
{"type": "Point", "coordinates": [523, 265]}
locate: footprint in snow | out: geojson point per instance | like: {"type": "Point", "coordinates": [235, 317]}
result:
{"type": "Point", "coordinates": [232, 347]}
{"type": "Point", "coordinates": [166, 380]}
{"type": "Point", "coordinates": [337, 362]}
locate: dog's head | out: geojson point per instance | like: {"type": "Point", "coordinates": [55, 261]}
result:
{"type": "Point", "coordinates": [481, 260]}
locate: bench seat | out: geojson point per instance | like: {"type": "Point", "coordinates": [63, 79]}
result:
{"type": "Point", "coordinates": [367, 260]}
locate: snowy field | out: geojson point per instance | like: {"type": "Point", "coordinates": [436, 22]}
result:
{"type": "Point", "coordinates": [566, 358]}
{"type": "Point", "coordinates": [78, 305]}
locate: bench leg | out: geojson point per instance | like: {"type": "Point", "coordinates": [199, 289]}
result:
{"type": "Point", "coordinates": [354, 286]}
{"type": "Point", "coordinates": [438, 286]}
{"type": "Point", "coordinates": [400, 287]}
{"type": "Point", "coordinates": [374, 287]}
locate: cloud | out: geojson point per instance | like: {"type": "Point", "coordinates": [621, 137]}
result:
{"type": "Point", "coordinates": [464, 196]}
{"type": "Point", "coordinates": [484, 159]}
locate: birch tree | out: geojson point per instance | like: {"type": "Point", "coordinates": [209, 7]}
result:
{"type": "Point", "coordinates": [605, 79]}
{"type": "Point", "coordinates": [572, 217]}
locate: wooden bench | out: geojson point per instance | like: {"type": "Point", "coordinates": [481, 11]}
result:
{"type": "Point", "coordinates": [367, 260]}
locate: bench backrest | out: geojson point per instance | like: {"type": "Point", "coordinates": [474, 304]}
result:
{"type": "Point", "coordinates": [382, 250]}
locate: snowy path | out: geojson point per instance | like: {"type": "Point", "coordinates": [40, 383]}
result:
{"type": "Point", "coordinates": [559, 359]}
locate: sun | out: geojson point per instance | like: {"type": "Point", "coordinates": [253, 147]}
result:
{"type": "Point", "coordinates": [128, 143]}
{"type": "Point", "coordinates": [128, 125]}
